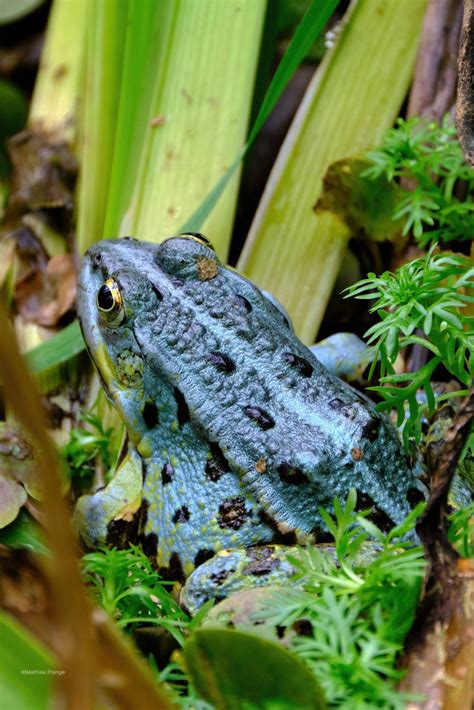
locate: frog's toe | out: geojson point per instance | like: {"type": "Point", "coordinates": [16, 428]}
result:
{"type": "Point", "coordinates": [344, 355]}
{"type": "Point", "coordinates": [234, 570]}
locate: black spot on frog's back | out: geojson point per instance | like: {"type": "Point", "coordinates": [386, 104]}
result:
{"type": "Point", "coordinates": [183, 411]}
{"type": "Point", "coordinates": [232, 513]}
{"type": "Point", "coordinates": [221, 361]}
{"type": "Point", "coordinates": [414, 496]}
{"type": "Point", "coordinates": [181, 515]}
{"type": "Point", "coordinates": [121, 532]}
{"type": "Point", "coordinates": [261, 561]}
{"type": "Point", "coordinates": [292, 475]}
{"type": "Point", "coordinates": [243, 303]}
{"type": "Point", "coordinates": [149, 544]}
{"type": "Point", "coordinates": [260, 417]}
{"type": "Point", "coordinates": [217, 465]}
{"type": "Point", "coordinates": [298, 363]}
{"type": "Point", "coordinates": [377, 516]}
{"type": "Point", "coordinates": [167, 473]}
{"type": "Point", "coordinates": [370, 430]}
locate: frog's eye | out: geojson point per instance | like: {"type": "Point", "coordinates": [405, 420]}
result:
{"type": "Point", "coordinates": [110, 304]}
{"type": "Point", "coordinates": [197, 237]}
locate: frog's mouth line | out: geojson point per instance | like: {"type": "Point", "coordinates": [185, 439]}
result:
{"type": "Point", "coordinates": [94, 362]}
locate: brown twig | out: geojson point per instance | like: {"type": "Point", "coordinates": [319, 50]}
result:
{"type": "Point", "coordinates": [465, 101]}
{"type": "Point", "coordinates": [434, 87]}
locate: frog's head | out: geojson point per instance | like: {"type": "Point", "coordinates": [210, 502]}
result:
{"type": "Point", "coordinates": [121, 285]}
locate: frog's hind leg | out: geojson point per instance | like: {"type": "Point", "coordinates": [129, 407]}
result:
{"type": "Point", "coordinates": [235, 570]}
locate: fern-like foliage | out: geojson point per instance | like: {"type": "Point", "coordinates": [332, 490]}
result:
{"type": "Point", "coordinates": [421, 303]}
{"type": "Point", "coordinates": [131, 591]}
{"type": "Point", "coordinates": [430, 159]}
{"type": "Point", "coordinates": [357, 608]}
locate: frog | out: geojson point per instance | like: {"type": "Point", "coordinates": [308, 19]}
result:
{"type": "Point", "coordinates": [237, 434]}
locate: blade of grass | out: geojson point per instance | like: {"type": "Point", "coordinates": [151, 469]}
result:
{"type": "Point", "coordinates": [353, 98]}
{"type": "Point", "coordinates": [58, 349]}
{"type": "Point", "coordinates": [147, 35]}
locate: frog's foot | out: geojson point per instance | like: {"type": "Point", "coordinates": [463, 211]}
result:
{"type": "Point", "coordinates": [111, 515]}
{"type": "Point", "coordinates": [234, 570]}
{"type": "Point", "coordinates": [344, 355]}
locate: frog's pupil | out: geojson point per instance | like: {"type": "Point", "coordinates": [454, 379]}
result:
{"type": "Point", "coordinates": [105, 299]}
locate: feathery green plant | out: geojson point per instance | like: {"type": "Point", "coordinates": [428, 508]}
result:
{"type": "Point", "coordinates": [428, 155]}
{"type": "Point", "coordinates": [355, 616]}
{"type": "Point", "coordinates": [131, 591]}
{"type": "Point", "coordinates": [420, 304]}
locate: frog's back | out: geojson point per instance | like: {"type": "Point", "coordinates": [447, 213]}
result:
{"type": "Point", "coordinates": [295, 435]}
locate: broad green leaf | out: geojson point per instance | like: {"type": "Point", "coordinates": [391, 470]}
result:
{"type": "Point", "coordinates": [234, 669]}
{"type": "Point", "coordinates": [310, 26]}
{"type": "Point", "coordinates": [355, 95]}
{"type": "Point", "coordinates": [26, 668]}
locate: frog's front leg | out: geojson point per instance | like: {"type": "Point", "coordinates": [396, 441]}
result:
{"type": "Point", "coordinates": [112, 514]}
{"type": "Point", "coordinates": [232, 571]}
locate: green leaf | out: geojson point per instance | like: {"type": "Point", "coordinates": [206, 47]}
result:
{"type": "Point", "coordinates": [26, 668]}
{"type": "Point", "coordinates": [24, 532]}
{"type": "Point", "coordinates": [58, 349]}
{"type": "Point", "coordinates": [234, 670]}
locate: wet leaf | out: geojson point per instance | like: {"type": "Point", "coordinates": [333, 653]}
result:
{"type": "Point", "coordinates": [234, 669]}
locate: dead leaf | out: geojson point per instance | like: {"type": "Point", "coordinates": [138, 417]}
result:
{"type": "Point", "coordinates": [44, 296]}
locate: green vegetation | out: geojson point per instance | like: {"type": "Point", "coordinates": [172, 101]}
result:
{"type": "Point", "coordinates": [359, 609]}
{"type": "Point", "coordinates": [423, 303]}
{"type": "Point", "coordinates": [88, 448]}
{"type": "Point", "coordinates": [427, 157]}
{"type": "Point", "coordinates": [159, 153]}
{"type": "Point", "coordinates": [461, 531]}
